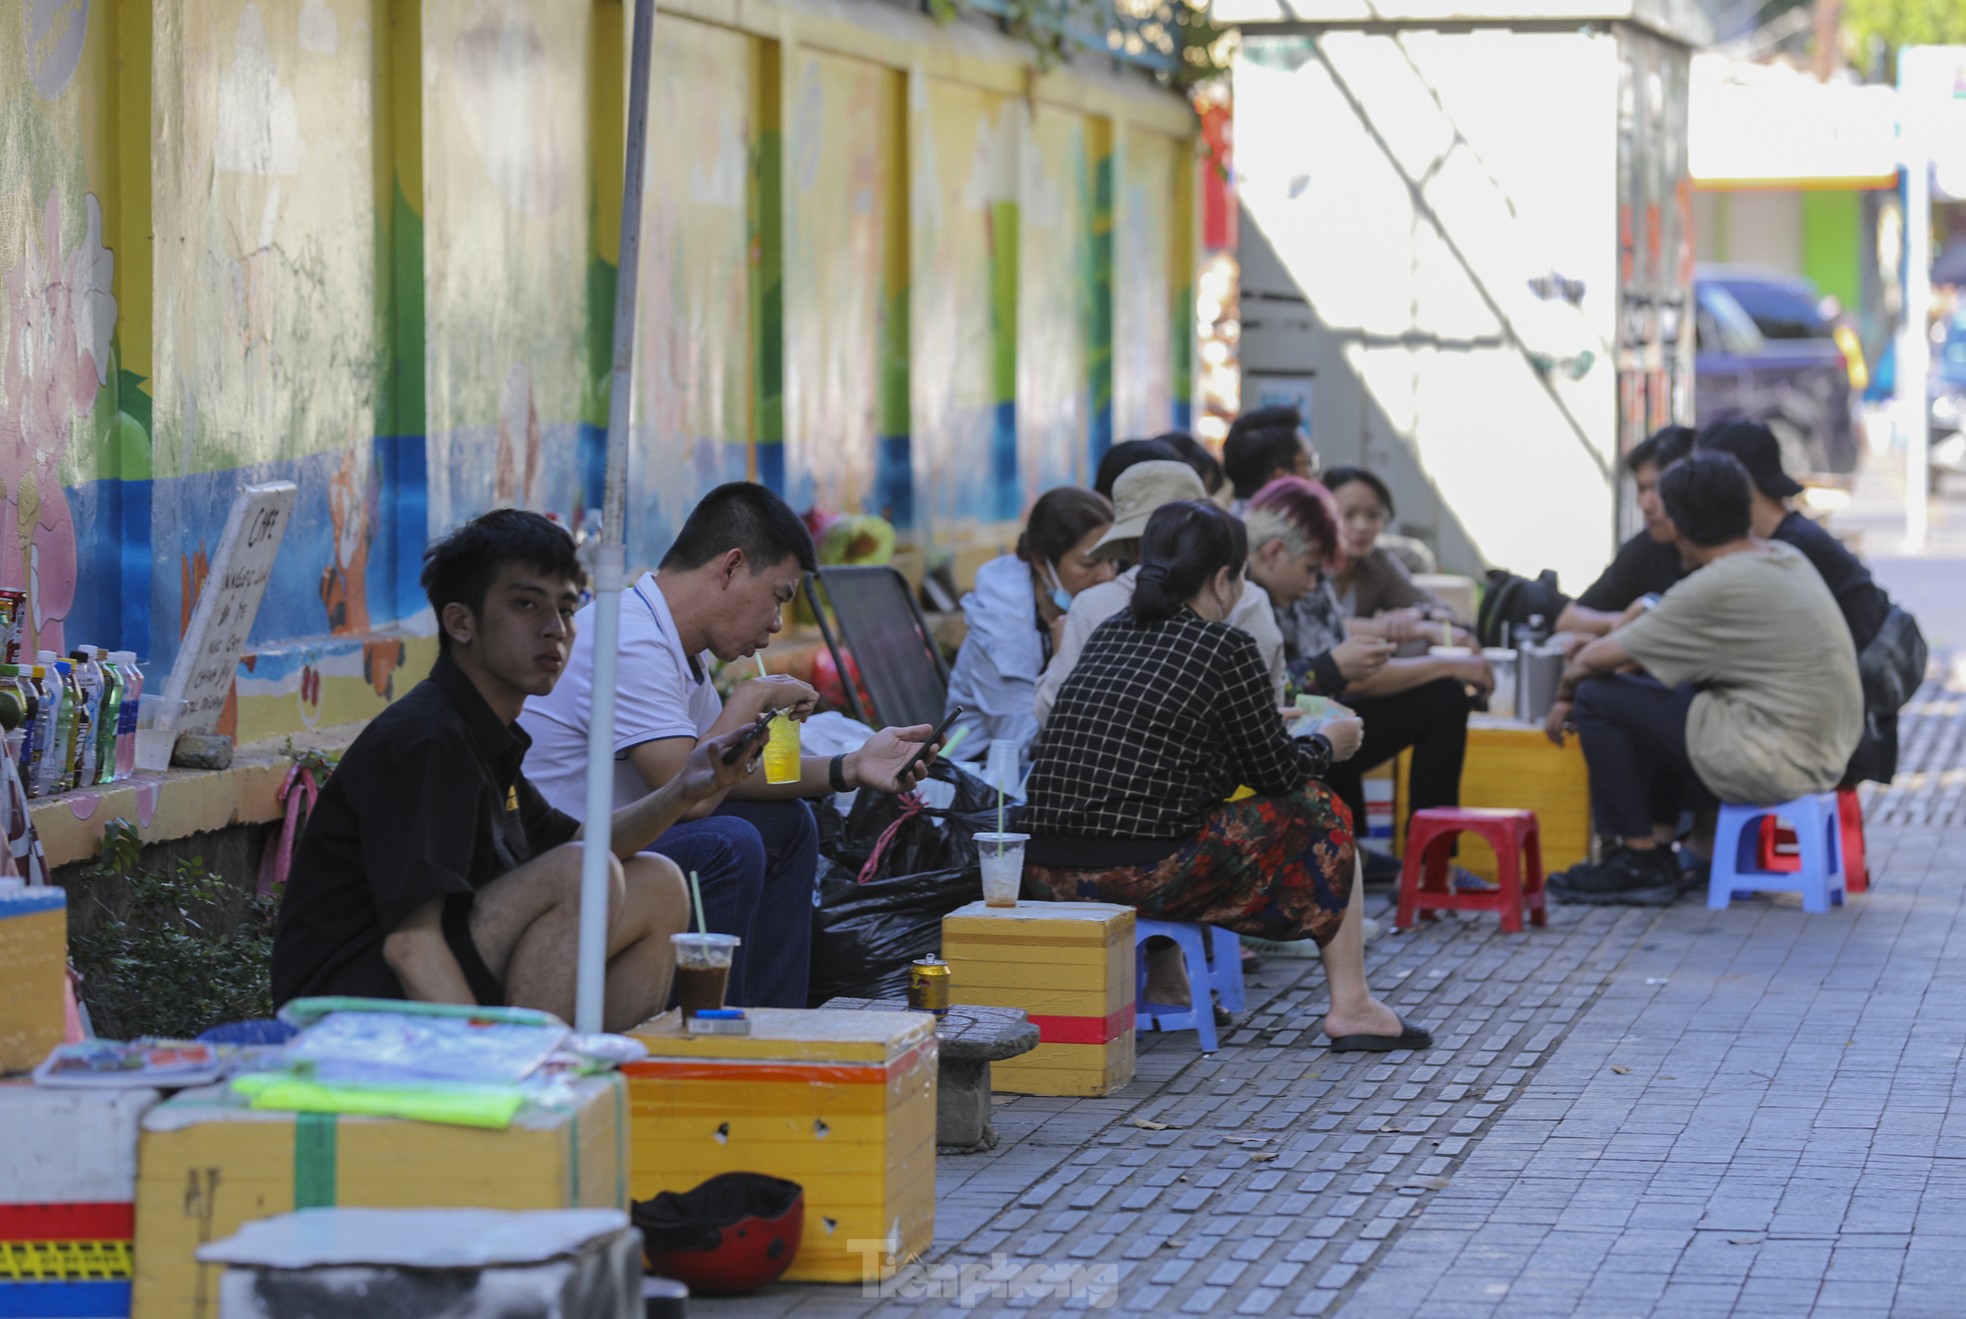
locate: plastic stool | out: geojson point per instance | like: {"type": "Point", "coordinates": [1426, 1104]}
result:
{"type": "Point", "coordinates": [1214, 959]}
{"type": "Point", "coordinates": [1850, 815]}
{"type": "Point", "coordinates": [1518, 848]}
{"type": "Point", "coordinates": [1736, 841]}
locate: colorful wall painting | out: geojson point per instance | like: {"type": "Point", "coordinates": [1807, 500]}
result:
{"type": "Point", "coordinates": [1144, 301]}
{"type": "Point", "coordinates": [965, 233]}
{"type": "Point", "coordinates": [844, 221]}
{"type": "Point", "coordinates": [506, 243]}
{"type": "Point", "coordinates": [1055, 293]}
{"type": "Point", "coordinates": [694, 376]}
{"type": "Point", "coordinates": [367, 246]}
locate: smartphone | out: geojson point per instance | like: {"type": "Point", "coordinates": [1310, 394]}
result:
{"type": "Point", "coordinates": [934, 739]}
{"type": "Point", "coordinates": [760, 730]}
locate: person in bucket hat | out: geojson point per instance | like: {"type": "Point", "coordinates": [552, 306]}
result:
{"type": "Point", "coordinates": [1140, 490]}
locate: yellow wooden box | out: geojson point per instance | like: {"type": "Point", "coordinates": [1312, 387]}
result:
{"type": "Point", "coordinates": [1070, 966]}
{"type": "Point", "coordinates": [841, 1102]}
{"type": "Point", "coordinates": [1513, 766]}
{"type": "Point", "coordinates": [207, 1164]}
{"type": "Point", "coordinates": [33, 961]}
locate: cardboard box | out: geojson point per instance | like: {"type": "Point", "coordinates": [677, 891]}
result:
{"type": "Point", "coordinates": [208, 1164]}
{"type": "Point", "coordinates": [33, 965]}
{"type": "Point", "coordinates": [1070, 965]}
{"type": "Point", "coordinates": [840, 1101]}
{"type": "Point", "coordinates": [68, 1169]}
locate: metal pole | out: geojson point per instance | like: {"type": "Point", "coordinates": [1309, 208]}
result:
{"type": "Point", "coordinates": [610, 562]}
{"type": "Point", "coordinates": [1915, 70]}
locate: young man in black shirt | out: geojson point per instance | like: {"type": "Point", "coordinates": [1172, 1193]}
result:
{"type": "Point", "coordinates": [431, 869]}
{"type": "Point", "coordinates": [1263, 444]}
{"type": "Point", "coordinates": [1648, 563]}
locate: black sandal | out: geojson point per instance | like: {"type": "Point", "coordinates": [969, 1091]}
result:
{"type": "Point", "coordinates": [1409, 1037]}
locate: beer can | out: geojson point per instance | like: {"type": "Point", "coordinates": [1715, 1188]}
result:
{"type": "Point", "coordinates": [928, 985]}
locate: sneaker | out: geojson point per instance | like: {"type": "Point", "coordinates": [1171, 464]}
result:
{"type": "Point", "coordinates": [1623, 879]}
{"type": "Point", "coordinates": [1466, 881]}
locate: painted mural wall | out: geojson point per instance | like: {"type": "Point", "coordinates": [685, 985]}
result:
{"type": "Point", "coordinates": [370, 246]}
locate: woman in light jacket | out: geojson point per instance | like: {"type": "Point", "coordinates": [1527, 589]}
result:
{"type": "Point", "coordinates": [1016, 613]}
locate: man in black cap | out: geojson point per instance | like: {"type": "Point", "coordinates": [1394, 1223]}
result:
{"type": "Point", "coordinates": [1863, 603]}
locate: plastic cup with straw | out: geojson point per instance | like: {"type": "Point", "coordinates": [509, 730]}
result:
{"type": "Point", "coordinates": [702, 959]}
{"type": "Point", "coordinates": [782, 745]}
{"type": "Point", "coordinates": [1002, 858]}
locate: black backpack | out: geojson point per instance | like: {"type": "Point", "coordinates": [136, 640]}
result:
{"type": "Point", "coordinates": [1508, 601]}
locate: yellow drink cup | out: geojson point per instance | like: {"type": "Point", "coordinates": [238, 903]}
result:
{"type": "Point", "coordinates": [782, 750]}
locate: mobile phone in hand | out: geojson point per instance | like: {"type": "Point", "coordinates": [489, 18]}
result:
{"type": "Point", "coordinates": [752, 740]}
{"type": "Point", "coordinates": [934, 739]}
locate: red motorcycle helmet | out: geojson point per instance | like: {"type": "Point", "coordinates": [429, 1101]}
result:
{"type": "Point", "coordinates": [736, 1233]}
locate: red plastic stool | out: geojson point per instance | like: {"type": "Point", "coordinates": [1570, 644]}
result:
{"type": "Point", "coordinates": [1779, 852]}
{"type": "Point", "coordinates": [1518, 848]}
{"type": "Point", "coordinates": [1850, 816]}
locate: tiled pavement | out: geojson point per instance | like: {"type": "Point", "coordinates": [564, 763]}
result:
{"type": "Point", "coordinates": [1632, 1112]}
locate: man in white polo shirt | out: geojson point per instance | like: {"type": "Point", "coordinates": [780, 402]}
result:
{"type": "Point", "coordinates": [719, 592]}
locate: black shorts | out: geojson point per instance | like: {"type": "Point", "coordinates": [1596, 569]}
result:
{"type": "Point", "coordinates": [485, 987]}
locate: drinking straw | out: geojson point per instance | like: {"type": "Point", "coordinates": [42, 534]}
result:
{"type": "Point", "coordinates": [1446, 637]}
{"type": "Point", "coordinates": [999, 815]}
{"type": "Point", "coordinates": [759, 657]}
{"type": "Point", "coordinates": [696, 895]}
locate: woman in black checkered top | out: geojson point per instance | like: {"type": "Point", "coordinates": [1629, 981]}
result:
{"type": "Point", "coordinates": [1167, 712]}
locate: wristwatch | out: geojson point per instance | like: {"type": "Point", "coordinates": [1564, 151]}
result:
{"type": "Point", "coordinates": [836, 773]}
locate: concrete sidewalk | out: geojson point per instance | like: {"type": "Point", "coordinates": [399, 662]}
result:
{"type": "Point", "coordinates": [1632, 1112]}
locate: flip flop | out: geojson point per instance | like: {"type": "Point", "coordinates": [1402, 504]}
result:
{"type": "Point", "coordinates": [1409, 1037]}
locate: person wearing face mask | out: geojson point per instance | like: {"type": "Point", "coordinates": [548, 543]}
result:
{"type": "Point", "coordinates": [1167, 712]}
{"type": "Point", "coordinates": [1421, 704]}
{"type": "Point", "coordinates": [1140, 490]}
{"type": "Point", "coordinates": [1016, 617]}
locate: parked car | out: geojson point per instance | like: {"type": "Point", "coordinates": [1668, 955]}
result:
{"type": "Point", "coordinates": [1948, 395]}
{"type": "Point", "coordinates": [1763, 351]}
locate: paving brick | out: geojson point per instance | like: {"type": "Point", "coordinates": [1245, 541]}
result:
{"type": "Point", "coordinates": [1784, 1141]}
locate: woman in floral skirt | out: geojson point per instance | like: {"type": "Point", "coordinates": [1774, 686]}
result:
{"type": "Point", "coordinates": [1167, 712]}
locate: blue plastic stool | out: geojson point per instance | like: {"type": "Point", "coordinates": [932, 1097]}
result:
{"type": "Point", "coordinates": [1214, 960]}
{"type": "Point", "coordinates": [1736, 844]}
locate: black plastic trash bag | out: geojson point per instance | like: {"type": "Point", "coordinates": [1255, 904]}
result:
{"type": "Point", "coordinates": [865, 935]}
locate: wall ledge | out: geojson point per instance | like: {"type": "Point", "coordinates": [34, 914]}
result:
{"type": "Point", "coordinates": [180, 802]}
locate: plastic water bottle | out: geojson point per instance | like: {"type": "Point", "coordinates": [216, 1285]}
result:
{"type": "Point", "coordinates": [88, 681]}
{"type": "Point", "coordinates": [126, 716]}
{"type": "Point", "coordinates": [108, 712]}
{"type": "Point", "coordinates": [67, 698]}
{"type": "Point", "coordinates": [38, 765]}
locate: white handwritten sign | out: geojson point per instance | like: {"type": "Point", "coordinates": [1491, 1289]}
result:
{"type": "Point", "coordinates": [208, 658]}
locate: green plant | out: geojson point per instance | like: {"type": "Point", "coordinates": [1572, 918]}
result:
{"type": "Point", "coordinates": [170, 959]}
{"type": "Point", "coordinates": [321, 762]}
{"type": "Point", "coordinates": [1177, 35]}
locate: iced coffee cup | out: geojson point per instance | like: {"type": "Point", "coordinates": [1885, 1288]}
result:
{"type": "Point", "coordinates": [702, 970]}
{"type": "Point", "coordinates": [1003, 867]}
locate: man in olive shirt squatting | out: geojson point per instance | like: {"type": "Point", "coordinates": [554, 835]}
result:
{"type": "Point", "coordinates": [1750, 692]}
{"type": "Point", "coordinates": [430, 868]}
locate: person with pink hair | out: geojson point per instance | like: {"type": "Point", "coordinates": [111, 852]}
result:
{"type": "Point", "coordinates": [1295, 549]}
